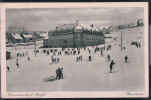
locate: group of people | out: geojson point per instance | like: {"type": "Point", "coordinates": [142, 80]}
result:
{"type": "Point", "coordinates": [113, 63]}
{"type": "Point", "coordinates": [21, 54]}
{"type": "Point", "coordinates": [79, 58]}
{"type": "Point", "coordinates": [138, 45]}
{"type": "Point", "coordinates": [59, 73]}
{"type": "Point", "coordinates": [108, 47]}
{"type": "Point", "coordinates": [54, 60]}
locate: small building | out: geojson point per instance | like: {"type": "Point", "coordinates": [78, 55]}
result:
{"type": "Point", "coordinates": [45, 41]}
{"type": "Point", "coordinates": [14, 38]}
{"type": "Point", "coordinates": [75, 35]}
{"type": "Point", "coordinates": [41, 35]}
{"type": "Point", "coordinates": [105, 29]}
{"type": "Point", "coordinates": [28, 37]}
{"type": "Point", "coordinates": [140, 22]}
{"type": "Point", "coordinates": [8, 55]}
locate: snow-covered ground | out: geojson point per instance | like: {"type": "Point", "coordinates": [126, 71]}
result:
{"type": "Point", "coordinates": [83, 75]}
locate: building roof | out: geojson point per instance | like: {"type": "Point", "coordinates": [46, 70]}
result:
{"type": "Point", "coordinates": [43, 34]}
{"type": "Point", "coordinates": [104, 27]}
{"type": "Point", "coordinates": [87, 27]}
{"type": "Point", "coordinates": [27, 35]}
{"type": "Point", "coordinates": [67, 26]}
{"type": "Point", "coordinates": [17, 36]}
{"type": "Point", "coordinates": [77, 26]}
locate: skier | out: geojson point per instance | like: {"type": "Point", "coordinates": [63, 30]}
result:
{"type": "Point", "coordinates": [58, 60]}
{"type": "Point", "coordinates": [8, 68]}
{"type": "Point", "coordinates": [126, 58]}
{"type": "Point", "coordinates": [61, 73]}
{"type": "Point", "coordinates": [108, 56]}
{"type": "Point", "coordinates": [77, 59]}
{"type": "Point", "coordinates": [89, 51]}
{"type": "Point", "coordinates": [47, 52]}
{"type": "Point", "coordinates": [139, 45]}
{"type": "Point", "coordinates": [101, 53]}
{"type": "Point", "coordinates": [60, 53]}
{"type": "Point", "coordinates": [52, 60]}
{"type": "Point", "coordinates": [57, 73]}
{"type": "Point", "coordinates": [78, 52]}
{"type": "Point", "coordinates": [111, 66]}
{"type": "Point", "coordinates": [81, 57]}
{"type": "Point", "coordinates": [89, 58]}
{"type": "Point", "coordinates": [17, 64]}
{"type": "Point", "coordinates": [28, 59]}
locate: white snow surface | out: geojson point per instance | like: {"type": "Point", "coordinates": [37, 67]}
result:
{"type": "Point", "coordinates": [83, 75]}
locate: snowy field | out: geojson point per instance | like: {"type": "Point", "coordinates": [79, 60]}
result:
{"type": "Point", "coordinates": [83, 75]}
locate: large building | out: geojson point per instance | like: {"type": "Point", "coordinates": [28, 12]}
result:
{"type": "Point", "coordinates": [74, 35]}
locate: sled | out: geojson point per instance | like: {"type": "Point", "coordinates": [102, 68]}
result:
{"type": "Point", "coordinates": [52, 78]}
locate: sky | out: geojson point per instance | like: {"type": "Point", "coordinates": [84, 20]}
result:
{"type": "Point", "coordinates": [45, 19]}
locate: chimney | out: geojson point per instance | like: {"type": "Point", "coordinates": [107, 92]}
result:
{"type": "Point", "coordinates": [92, 25]}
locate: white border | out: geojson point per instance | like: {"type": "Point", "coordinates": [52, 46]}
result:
{"type": "Point", "coordinates": [108, 94]}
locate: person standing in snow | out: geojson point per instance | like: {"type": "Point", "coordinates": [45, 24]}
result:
{"type": "Point", "coordinates": [111, 66]}
{"type": "Point", "coordinates": [57, 73]}
{"type": "Point", "coordinates": [8, 68]}
{"type": "Point", "coordinates": [81, 57]}
{"type": "Point", "coordinates": [77, 59]}
{"type": "Point", "coordinates": [61, 73]}
{"type": "Point", "coordinates": [126, 58]}
{"type": "Point", "coordinates": [89, 58]}
{"type": "Point", "coordinates": [108, 56]}
{"type": "Point", "coordinates": [101, 52]}
{"type": "Point", "coordinates": [28, 59]}
{"type": "Point", "coordinates": [58, 60]}
{"type": "Point", "coordinates": [17, 65]}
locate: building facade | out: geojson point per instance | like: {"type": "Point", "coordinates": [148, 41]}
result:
{"type": "Point", "coordinates": [74, 35]}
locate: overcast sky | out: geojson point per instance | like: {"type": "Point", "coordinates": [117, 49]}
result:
{"type": "Point", "coordinates": [48, 19]}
